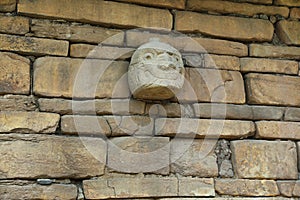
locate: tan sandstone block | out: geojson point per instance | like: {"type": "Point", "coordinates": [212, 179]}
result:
{"type": "Point", "coordinates": [33, 46]}
{"type": "Point", "coordinates": [201, 128]}
{"type": "Point", "coordinates": [17, 103]}
{"type": "Point", "coordinates": [28, 122]}
{"type": "Point", "coordinates": [105, 78]}
{"type": "Point", "coordinates": [126, 15]}
{"type": "Point", "coordinates": [35, 156]}
{"type": "Point", "coordinates": [14, 25]}
{"type": "Point", "coordinates": [226, 7]}
{"type": "Point", "coordinates": [222, 62]}
{"type": "Point", "coordinates": [258, 50]}
{"type": "Point", "coordinates": [202, 187]}
{"type": "Point", "coordinates": [243, 187]}
{"type": "Point", "coordinates": [269, 65]}
{"type": "Point", "coordinates": [289, 188]}
{"type": "Point", "coordinates": [225, 27]}
{"type": "Point", "coordinates": [265, 159]}
{"type": "Point", "coordinates": [295, 13]}
{"type": "Point", "coordinates": [179, 4]}
{"type": "Point", "coordinates": [272, 89]}
{"type": "Point", "coordinates": [287, 2]}
{"type": "Point", "coordinates": [14, 74]}
{"type": "Point", "coordinates": [7, 5]}
{"type": "Point", "coordinates": [289, 32]}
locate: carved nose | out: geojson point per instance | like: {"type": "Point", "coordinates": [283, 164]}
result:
{"type": "Point", "coordinates": [167, 67]}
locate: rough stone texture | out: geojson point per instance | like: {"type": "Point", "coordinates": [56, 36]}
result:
{"type": "Point", "coordinates": [269, 65]}
{"type": "Point", "coordinates": [106, 78]}
{"type": "Point", "coordinates": [295, 13]}
{"type": "Point", "coordinates": [170, 110]}
{"type": "Point", "coordinates": [14, 25]}
{"type": "Point", "coordinates": [125, 15]}
{"type": "Point", "coordinates": [189, 158]}
{"type": "Point", "coordinates": [85, 125]}
{"type": "Point", "coordinates": [225, 7]}
{"type": "Point", "coordinates": [229, 198]}
{"type": "Point", "coordinates": [23, 156]}
{"type": "Point", "coordinates": [224, 27]}
{"type": "Point", "coordinates": [278, 130]}
{"type": "Point", "coordinates": [265, 159]}
{"type": "Point", "coordinates": [288, 32]}
{"type": "Point", "coordinates": [272, 89]}
{"type": "Point", "coordinates": [139, 154]}
{"type": "Point", "coordinates": [17, 103]}
{"type": "Point", "coordinates": [8, 5]}
{"type": "Point", "coordinates": [98, 106]}
{"type": "Point", "coordinates": [130, 125]}
{"type": "Point", "coordinates": [14, 74]}
{"type": "Point", "coordinates": [211, 85]}
{"type": "Point", "coordinates": [292, 114]}
{"type": "Point", "coordinates": [200, 128]}
{"type": "Point", "coordinates": [28, 122]}
{"type": "Point", "coordinates": [231, 111]}
{"type": "Point", "coordinates": [100, 52]}
{"type": "Point", "coordinates": [34, 191]}
{"type": "Point", "coordinates": [33, 46]}
{"type": "Point", "coordinates": [258, 50]}
{"type": "Point", "coordinates": [289, 188]}
{"type": "Point", "coordinates": [222, 62]}
{"type": "Point", "coordinates": [287, 2]}
{"type": "Point", "coordinates": [147, 187]}
{"type": "Point", "coordinates": [298, 147]}
{"type": "Point", "coordinates": [223, 153]}
{"type": "Point", "coordinates": [241, 187]}
{"type": "Point", "coordinates": [76, 32]}
{"type": "Point", "coordinates": [179, 4]}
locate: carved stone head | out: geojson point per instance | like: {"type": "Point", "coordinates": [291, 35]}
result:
{"type": "Point", "coordinates": [156, 71]}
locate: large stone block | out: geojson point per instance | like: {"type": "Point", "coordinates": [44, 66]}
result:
{"type": "Point", "coordinates": [201, 128]}
{"type": "Point", "coordinates": [37, 156]}
{"type": "Point", "coordinates": [292, 114]}
{"type": "Point", "coordinates": [126, 15]}
{"type": "Point", "coordinates": [188, 158]}
{"type": "Point", "coordinates": [222, 62]}
{"type": "Point", "coordinates": [265, 159]}
{"type": "Point", "coordinates": [80, 78]}
{"type": "Point", "coordinates": [272, 89]}
{"type": "Point", "coordinates": [28, 122]}
{"type": "Point", "coordinates": [242, 187]}
{"type": "Point", "coordinates": [202, 187]}
{"type": "Point", "coordinates": [8, 5]}
{"type": "Point", "coordinates": [14, 74]}
{"type": "Point", "coordinates": [287, 2]}
{"type": "Point", "coordinates": [17, 103]}
{"type": "Point", "coordinates": [33, 46]}
{"type": "Point", "coordinates": [289, 188]}
{"type": "Point", "coordinates": [258, 50]}
{"type": "Point", "coordinates": [288, 32]}
{"type": "Point", "coordinates": [14, 25]}
{"type": "Point", "coordinates": [225, 27]}
{"type": "Point", "coordinates": [295, 13]}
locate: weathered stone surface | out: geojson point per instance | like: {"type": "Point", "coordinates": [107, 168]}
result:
{"type": "Point", "coordinates": [226, 7]}
{"type": "Point", "coordinates": [33, 46]}
{"type": "Point", "coordinates": [170, 110]}
{"type": "Point", "coordinates": [187, 44]}
{"type": "Point", "coordinates": [14, 25]}
{"type": "Point", "coordinates": [188, 158]}
{"type": "Point", "coordinates": [34, 191]}
{"type": "Point", "coordinates": [222, 62]}
{"type": "Point", "coordinates": [139, 154]}
{"type": "Point", "coordinates": [289, 188]}
{"type": "Point", "coordinates": [98, 106]}
{"type": "Point", "coordinates": [201, 128]}
{"type": "Point", "coordinates": [229, 198]}
{"type": "Point", "coordinates": [272, 89]}
{"type": "Point", "coordinates": [100, 52]}
{"type": "Point", "coordinates": [278, 130]}
{"type": "Point", "coordinates": [265, 159]}
{"type": "Point", "coordinates": [14, 74]}
{"type": "Point", "coordinates": [8, 5]}
{"type": "Point", "coordinates": [287, 2]}
{"type": "Point", "coordinates": [225, 27]}
{"type": "Point", "coordinates": [269, 65]}
{"type": "Point", "coordinates": [196, 187]}
{"type": "Point", "coordinates": [17, 103]}
{"type": "Point", "coordinates": [23, 156]}
{"type": "Point", "coordinates": [295, 13]}
{"type": "Point", "coordinates": [292, 114]}
{"type": "Point", "coordinates": [193, 59]}
{"type": "Point", "coordinates": [231, 111]}
{"type": "Point", "coordinates": [211, 85]}
{"type": "Point", "coordinates": [241, 187]}
{"type": "Point", "coordinates": [112, 13]}
{"type": "Point", "coordinates": [258, 50]}
{"type": "Point", "coordinates": [76, 32]}
{"type": "Point", "coordinates": [179, 4]}
{"type": "Point", "coordinates": [105, 78]}
{"type": "Point", "coordinates": [288, 32]}
{"type": "Point", "coordinates": [84, 125]}
{"type": "Point", "coordinates": [130, 125]}
{"type": "Point", "coordinates": [298, 147]}
{"type": "Point", "coordinates": [28, 122]}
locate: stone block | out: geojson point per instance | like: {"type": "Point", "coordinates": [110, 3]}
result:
{"type": "Point", "coordinates": [8, 5]}
{"type": "Point", "coordinates": [288, 32]}
{"type": "Point", "coordinates": [14, 25]}
{"type": "Point", "coordinates": [222, 62]}
{"type": "Point", "coordinates": [17, 103]}
{"type": "Point", "coordinates": [179, 4]}
{"type": "Point", "coordinates": [289, 188]}
{"type": "Point", "coordinates": [295, 13]}
{"type": "Point", "coordinates": [287, 2]}
{"type": "Point", "coordinates": [269, 51]}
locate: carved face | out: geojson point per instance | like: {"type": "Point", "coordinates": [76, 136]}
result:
{"type": "Point", "coordinates": [155, 73]}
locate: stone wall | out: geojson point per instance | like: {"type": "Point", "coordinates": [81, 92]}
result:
{"type": "Point", "coordinates": [233, 131]}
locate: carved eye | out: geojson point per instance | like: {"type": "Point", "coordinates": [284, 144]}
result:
{"type": "Point", "coordinates": [148, 56]}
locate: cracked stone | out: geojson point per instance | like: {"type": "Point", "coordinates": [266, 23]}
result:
{"type": "Point", "coordinates": [289, 188]}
